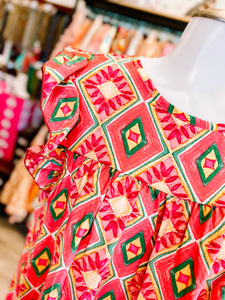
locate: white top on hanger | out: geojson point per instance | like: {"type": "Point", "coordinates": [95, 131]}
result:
{"type": "Point", "coordinates": [192, 76]}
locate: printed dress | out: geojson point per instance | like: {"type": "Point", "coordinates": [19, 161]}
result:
{"type": "Point", "coordinates": [133, 201]}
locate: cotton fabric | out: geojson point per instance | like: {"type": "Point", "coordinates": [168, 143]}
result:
{"type": "Point", "coordinates": [133, 197]}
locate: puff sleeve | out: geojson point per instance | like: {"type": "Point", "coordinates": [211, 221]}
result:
{"type": "Point", "coordinates": [60, 109]}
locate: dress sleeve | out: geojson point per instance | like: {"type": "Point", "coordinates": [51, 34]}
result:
{"type": "Point", "coordinates": [60, 109]}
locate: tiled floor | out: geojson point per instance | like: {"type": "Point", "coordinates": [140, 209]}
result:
{"type": "Point", "coordinates": [12, 238]}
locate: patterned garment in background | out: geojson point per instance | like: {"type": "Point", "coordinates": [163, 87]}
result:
{"type": "Point", "coordinates": [10, 117]}
{"type": "Point", "coordinates": [133, 201]}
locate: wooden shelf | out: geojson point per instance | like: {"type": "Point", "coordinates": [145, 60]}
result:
{"type": "Point", "coordinates": [142, 14]}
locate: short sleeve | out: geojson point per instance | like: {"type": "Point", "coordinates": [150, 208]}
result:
{"type": "Point", "coordinates": [60, 109]}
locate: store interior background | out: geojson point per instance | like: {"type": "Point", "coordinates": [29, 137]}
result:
{"type": "Point", "coordinates": [31, 32]}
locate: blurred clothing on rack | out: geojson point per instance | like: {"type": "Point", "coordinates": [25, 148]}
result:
{"type": "Point", "coordinates": [20, 191]}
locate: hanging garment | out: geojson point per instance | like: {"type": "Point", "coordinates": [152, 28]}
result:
{"type": "Point", "coordinates": [27, 42]}
{"type": "Point", "coordinates": [150, 46]}
{"type": "Point", "coordinates": [133, 201]}
{"type": "Point", "coordinates": [98, 38]}
{"type": "Point", "coordinates": [73, 30]}
{"type": "Point", "coordinates": [16, 23]}
{"type": "Point", "coordinates": [122, 40]}
{"type": "Point", "coordinates": [44, 26]}
{"type": "Point", "coordinates": [20, 190]}
{"type": "Point", "coordinates": [10, 119]}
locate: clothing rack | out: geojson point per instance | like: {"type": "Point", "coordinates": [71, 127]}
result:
{"type": "Point", "coordinates": [139, 13]}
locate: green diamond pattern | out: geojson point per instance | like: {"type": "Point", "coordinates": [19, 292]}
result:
{"type": "Point", "coordinates": [178, 293]}
{"type": "Point", "coordinates": [111, 173]}
{"type": "Point", "coordinates": [52, 174]}
{"type": "Point", "coordinates": [110, 295]}
{"type": "Point", "coordinates": [127, 137]}
{"type": "Point", "coordinates": [56, 288]}
{"type": "Point", "coordinates": [223, 292]}
{"type": "Point", "coordinates": [75, 156]}
{"type": "Point", "coordinates": [62, 111]}
{"type": "Point", "coordinates": [54, 205]}
{"type": "Point", "coordinates": [207, 179]}
{"type": "Point", "coordinates": [130, 248]}
{"type": "Point", "coordinates": [46, 265]}
{"type": "Point", "coordinates": [82, 233]}
{"type": "Point", "coordinates": [205, 217]}
{"type": "Point", "coordinates": [61, 58]}
{"type": "Point", "coordinates": [154, 193]}
{"type": "Point", "coordinates": [75, 60]}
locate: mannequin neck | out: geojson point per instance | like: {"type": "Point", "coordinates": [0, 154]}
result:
{"type": "Point", "coordinates": [192, 76]}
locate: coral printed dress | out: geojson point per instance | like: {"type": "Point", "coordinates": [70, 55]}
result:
{"type": "Point", "coordinates": [133, 201]}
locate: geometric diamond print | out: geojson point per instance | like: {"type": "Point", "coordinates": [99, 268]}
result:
{"type": "Point", "coordinates": [181, 119]}
{"type": "Point", "coordinates": [205, 213]}
{"type": "Point", "coordinates": [62, 59]}
{"type": "Point", "coordinates": [108, 296]}
{"type": "Point", "coordinates": [91, 279]}
{"type": "Point", "coordinates": [154, 193]}
{"type": "Point", "coordinates": [223, 292]}
{"type": "Point", "coordinates": [42, 261]}
{"type": "Point", "coordinates": [65, 109]}
{"type": "Point", "coordinates": [143, 74]}
{"type": "Point", "coordinates": [53, 293]}
{"type": "Point", "coordinates": [80, 230]}
{"type": "Point", "coordinates": [133, 137]}
{"type": "Point", "coordinates": [120, 206]}
{"type": "Point", "coordinates": [23, 282]}
{"type": "Point", "coordinates": [52, 174]}
{"type": "Point", "coordinates": [74, 60]}
{"type": "Point", "coordinates": [109, 90]}
{"type": "Point", "coordinates": [58, 204]}
{"type": "Point", "coordinates": [134, 248]}
{"type": "Point", "coordinates": [183, 278]}
{"type": "Point", "coordinates": [209, 164]}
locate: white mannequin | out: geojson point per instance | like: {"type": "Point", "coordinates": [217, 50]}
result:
{"type": "Point", "coordinates": [192, 76]}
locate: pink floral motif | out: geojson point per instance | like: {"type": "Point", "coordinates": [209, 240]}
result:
{"type": "Point", "coordinates": [121, 91]}
{"type": "Point", "coordinates": [214, 248]}
{"type": "Point", "coordinates": [176, 126]}
{"type": "Point", "coordinates": [203, 295]}
{"type": "Point", "coordinates": [170, 226]}
{"type": "Point", "coordinates": [29, 237]}
{"type": "Point", "coordinates": [56, 257]}
{"type": "Point", "coordinates": [21, 287]}
{"type": "Point", "coordinates": [12, 283]}
{"type": "Point", "coordinates": [221, 128]}
{"type": "Point", "coordinates": [148, 83]}
{"type": "Point", "coordinates": [35, 229]}
{"type": "Point", "coordinates": [51, 160]}
{"type": "Point", "coordinates": [95, 144]}
{"type": "Point", "coordinates": [80, 187]}
{"type": "Point", "coordinates": [221, 201]}
{"type": "Point", "coordinates": [50, 83]}
{"type": "Point", "coordinates": [141, 283]}
{"type": "Point", "coordinates": [119, 56]}
{"type": "Point", "coordinates": [96, 262]}
{"type": "Point", "coordinates": [38, 229]}
{"type": "Point", "coordinates": [164, 173]}
{"type": "Point", "coordinates": [115, 223]}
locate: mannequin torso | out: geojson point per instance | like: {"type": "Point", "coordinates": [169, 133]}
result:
{"type": "Point", "coordinates": [192, 76]}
